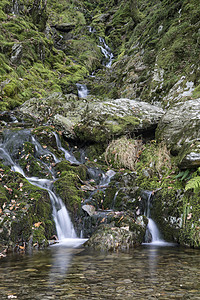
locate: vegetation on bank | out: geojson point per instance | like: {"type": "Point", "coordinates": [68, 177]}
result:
{"type": "Point", "coordinates": [154, 45]}
{"type": "Point", "coordinates": [175, 192]}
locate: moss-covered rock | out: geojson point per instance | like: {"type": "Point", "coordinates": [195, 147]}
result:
{"type": "Point", "coordinates": [25, 210]}
{"type": "Point", "coordinates": [94, 120]}
{"type": "Point", "coordinates": [110, 237]}
{"type": "Point", "coordinates": [68, 186]}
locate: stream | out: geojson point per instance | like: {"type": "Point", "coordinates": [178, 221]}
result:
{"type": "Point", "coordinates": [60, 272]}
{"type": "Point", "coordinates": [68, 270]}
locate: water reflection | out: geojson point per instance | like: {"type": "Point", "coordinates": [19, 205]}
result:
{"type": "Point", "coordinates": [153, 250]}
{"type": "Point", "coordinates": [147, 272]}
{"type": "Point", "coordinates": [61, 257]}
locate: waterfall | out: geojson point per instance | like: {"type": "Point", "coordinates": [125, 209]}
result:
{"type": "Point", "coordinates": [106, 52]}
{"type": "Point", "coordinates": [68, 156]}
{"type": "Point", "coordinates": [64, 226]}
{"type": "Point", "coordinates": [114, 199]}
{"type": "Point", "coordinates": [152, 235]}
{"type": "Point", "coordinates": [82, 90]}
{"type": "Point", "coordinates": [15, 10]}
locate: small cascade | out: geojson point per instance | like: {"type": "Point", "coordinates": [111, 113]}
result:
{"type": "Point", "coordinates": [91, 29]}
{"type": "Point", "coordinates": [68, 156]}
{"type": "Point", "coordinates": [152, 235]}
{"type": "Point", "coordinates": [153, 229]}
{"type": "Point", "coordinates": [41, 151]}
{"type": "Point", "coordinates": [64, 226]}
{"type": "Point", "coordinates": [114, 199]}
{"type": "Point", "coordinates": [105, 180]}
{"type": "Point", "coordinates": [106, 52]}
{"type": "Point", "coordinates": [82, 90]}
{"type": "Point", "coordinates": [15, 10]}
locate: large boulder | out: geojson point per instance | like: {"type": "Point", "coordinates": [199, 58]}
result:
{"type": "Point", "coordinates": [180, 129]}
{"type": "Point", "coordinates": [94, 120]}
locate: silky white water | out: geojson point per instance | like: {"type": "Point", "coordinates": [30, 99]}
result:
{"type": "Point", "coordinates": [82, 90]}
{"type": "Point", "coordinates": [64, 227]}
{"type": "Point", "coordinates": [152, 228]}
{"type": "Point", "coordinates": [106, 51]}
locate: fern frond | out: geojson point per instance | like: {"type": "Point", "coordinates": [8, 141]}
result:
{"type": "Point", "coordinates": [185, 175]}
{"type": "Point", "coordinates": [193, 183]}
{"type": "Point", "coordinates": [180, 174]}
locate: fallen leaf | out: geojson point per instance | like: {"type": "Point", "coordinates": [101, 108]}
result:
{"type": "Point", "coordinates": [37, 224]}
{"type": "Point", "coordinates": [120, 219]}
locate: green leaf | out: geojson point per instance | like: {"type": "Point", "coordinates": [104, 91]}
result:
{"type": "Point", "coordinates": [194, 184]}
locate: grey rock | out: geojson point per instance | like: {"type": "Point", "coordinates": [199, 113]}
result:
{"type": "Point", "coordinates": [90, 209]}
{"type": "Point", "coordinates": [65, 27]}
{"type": "Point", "coordinates": [16, 54]}
{"type": "Point", "coordinates": [111, 238]}
{"type": "Point", "coordinates": [180, 129]}
{"type": "Point", "coordinates": [92, 119]}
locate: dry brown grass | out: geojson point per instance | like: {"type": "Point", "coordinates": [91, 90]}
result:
{"type": "Point", "coordinates": [163, 159]}
{"type": "Point", "coordinates": [123, 153]}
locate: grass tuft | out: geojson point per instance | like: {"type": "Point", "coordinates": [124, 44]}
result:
{"type": "Point", "coordinates": [123, 153]}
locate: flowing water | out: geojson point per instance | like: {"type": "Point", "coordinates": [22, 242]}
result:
{"type": "Point", "coordinates": [147, 272]}
{"type": "Point", "coordinates": [69, 271]}
{"type": "Point", "coordinates": [82, 90]}
{"type": "Point", "coordinates": [8, 150]}
{"type": "Point", "coordinates": [153, 235]}
{"type": "Point", "coordinates": [106, 51]}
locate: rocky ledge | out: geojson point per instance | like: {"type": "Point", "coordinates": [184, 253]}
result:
{"type": "Point", "coordinates": [94, 120]}
{"type": "Point", "coordinates": [179, 127]}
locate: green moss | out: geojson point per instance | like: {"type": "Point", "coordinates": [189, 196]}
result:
{"type": "Point", "coordinates": [67, 187]}
{"type": "Point", "coordinates": [11, 89]}
{"type": "Point", "coordinates": [123, 124]}
{"type": "Point", "coordinates": [95, 152]}
{"type": "Point", "coordinates": [166, 211]}
{"type": "Point", "coordinates": [3, 197]}
{"type": "Point", "coordinates": [25, 205]}
{"type": "Point", "coordinates": [190, 230]}
{"type": "Point", "coordinates": [39, 236]}
{"type": "Point", "coordinates": [196, 92]}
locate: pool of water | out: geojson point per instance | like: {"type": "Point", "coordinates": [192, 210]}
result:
{"type": "Point", "coordinates": [60, 272]}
